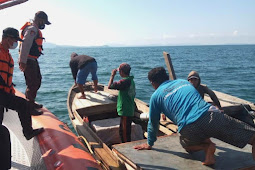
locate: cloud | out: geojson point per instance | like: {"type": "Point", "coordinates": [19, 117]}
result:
{"type": "Point", "coordinates": [235, 33]}
{"type": "Point", "coordinates": [192, 36]}
{"type": "Point", "coordinates": [166, 36]}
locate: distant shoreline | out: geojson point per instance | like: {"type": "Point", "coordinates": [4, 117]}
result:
{"type": "Point", "coordinates": [51, 45]}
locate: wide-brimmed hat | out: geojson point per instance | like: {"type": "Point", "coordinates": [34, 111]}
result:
{"type": "Point", "coordinates": [44, 16]}
{"type": "Point", "coordinates": [12, 32]}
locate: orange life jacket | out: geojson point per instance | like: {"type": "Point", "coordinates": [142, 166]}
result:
{"type": "Point", "coordinates": [36, 48]}
{"type": "Point", "coordinates": [6, 70]}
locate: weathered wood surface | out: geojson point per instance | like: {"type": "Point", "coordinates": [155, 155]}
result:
{"type": "Point", "coordinates": [100, 150]}
{"type": "Point", "coordinates": [169, 65]}
{"type": "Point", "coordinates": [167, 153]}
{"type": "Point", "coordinates": [229, 100]}
{"type": "Point", "coordinates": [95, 103]}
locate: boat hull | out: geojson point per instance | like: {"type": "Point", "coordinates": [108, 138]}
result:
{"type": "Point", "coordinates": [56, 148]}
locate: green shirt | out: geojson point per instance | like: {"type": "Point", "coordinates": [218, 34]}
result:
{"type": "Point", "coordinates": [126, 96]}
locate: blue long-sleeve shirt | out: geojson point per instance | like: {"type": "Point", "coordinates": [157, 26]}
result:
{"type": "Point", "coordinates": [179, 101]}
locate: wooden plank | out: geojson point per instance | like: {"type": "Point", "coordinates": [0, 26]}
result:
{"type": "Point", "coordinates": [95, 110]}
{"type": "Point", "coordinates": [169, 125]}
{"type": "Point", "coordinates": [167, 153]}
{"type": "Point", "coordinates": [99, 98]}
{"type": "Point", "coordinates": [169, 65]}
{"type": "Point", "coordinates": [95, 103]}
{"type": "Point", "coordinates": [142, 106]}
{"type": "Point", "coordinates": [165, 130]}
{"type": "Point", "coordinates": [101, 151]}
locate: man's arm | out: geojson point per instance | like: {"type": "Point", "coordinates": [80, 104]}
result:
{"type": "Point", "coordinates": [29, 36]}
{"type": "Point", "coordinates": [74, 70]}
{"type": "Point", "coordinates": [213, 97]}
{"type": "Point", "coordinates": [112, 77]}
{"type": "Point", "coordinates": [153, 126]}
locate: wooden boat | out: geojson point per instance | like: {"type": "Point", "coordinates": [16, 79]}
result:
{"type": "Point", "coordinates": [55, 148]}
{"type": "Point", "coordinates": [86, 115]}
{"type": "Point", "coordinates": [94, 118]}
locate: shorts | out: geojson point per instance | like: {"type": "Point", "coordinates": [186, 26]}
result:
{"type": "Point", "coordinates": [84, 72]}
{"type": "Point", "coordinates": [219, 126]}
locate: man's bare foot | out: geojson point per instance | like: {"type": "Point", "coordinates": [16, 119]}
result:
{"type": "Point", "coordinates": [82, 97]}
{"type": "Point", "coordinates": [209, 155]}
{"type": "Point", "coordinates": [95, 89]}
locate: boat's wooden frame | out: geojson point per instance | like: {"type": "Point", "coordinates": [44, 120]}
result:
{"type": "Point", "coordinates": [111, 158]}
{"type": "Point", "coordinates": [82, 126]}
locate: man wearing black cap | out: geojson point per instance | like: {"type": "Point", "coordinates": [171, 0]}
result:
{"type": "Point", "coordinates": [30, 51]}
{"type": "Point", "coordinates": [8, 99]}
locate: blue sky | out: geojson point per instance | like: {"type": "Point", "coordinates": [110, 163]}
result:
{"type": "Point", "coordinates": [140, 22]}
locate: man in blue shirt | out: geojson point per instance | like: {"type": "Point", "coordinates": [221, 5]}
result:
{"type": "Point", "coordinates": [196, 119]}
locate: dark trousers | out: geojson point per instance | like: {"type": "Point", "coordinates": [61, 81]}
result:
{"type": "Point", "coordinates": [5, 148]}
{"type": "Point", "coordinates": [33, 79]}
{"type": "Point", "coordinates": [22, 106]}
{"type": "Point", "coordinates": [125, 128]}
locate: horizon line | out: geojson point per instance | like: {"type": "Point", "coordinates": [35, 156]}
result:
{"type": "Point", "coordinates": [153, 45]}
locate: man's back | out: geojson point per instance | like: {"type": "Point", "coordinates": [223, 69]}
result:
{"type": "Point", "coordinates": [179, 101]}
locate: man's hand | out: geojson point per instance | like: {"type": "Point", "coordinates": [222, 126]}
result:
{"type": "Point", "coordinates": [143, 146]}
{"type": "Point", "coordinates": [114, 72]}
{"type": "Point", "coordinates": [164, 117]}
{"type": "Point", "coordinates": [22, 66]}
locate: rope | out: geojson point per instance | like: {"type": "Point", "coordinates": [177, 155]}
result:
{"type": "Point", "coordinates": [87, 144]}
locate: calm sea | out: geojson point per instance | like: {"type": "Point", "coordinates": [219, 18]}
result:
{"type": "Point", "coordinates": [227, 68]}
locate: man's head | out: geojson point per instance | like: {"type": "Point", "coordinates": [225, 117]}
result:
{"type": "Point", "coordinates": [124, 68]}
{"type": "Point", "coordinates": [157, 76]}
{"type": "Point", "coordinates": [73, 55]}
{"type": "Point", "coordinates": [10, 37]}
{"type": "Point", "coordinates": [41, 18]}
{"type": "Point", "coordinates": [194, 78]}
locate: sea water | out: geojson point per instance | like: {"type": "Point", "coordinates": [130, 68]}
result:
{"type": "Point", "coordinates": [225, 68]}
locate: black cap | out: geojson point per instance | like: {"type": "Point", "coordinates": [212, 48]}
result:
{"type": "Point", "coordinates": [11, 32]}
{"type": "Point", "coordinates": [44, 16]}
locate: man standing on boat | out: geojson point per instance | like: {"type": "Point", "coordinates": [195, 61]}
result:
{"type": "Point", "coordinates": [30, 50]}
{"type": "Point", "coordinates": [81, 66]}
{"type": "Point", "coordinates": [195, 80]}
{"type": "Point", "coordinates": [8, 99]}
{"type": "Point", "coordinates": [196, 119]}
{"type": "Point", "coordinates": [125, 103]}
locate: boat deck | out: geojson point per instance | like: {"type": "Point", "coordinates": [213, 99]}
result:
{"type": "Point", "coordinates": [167, 153]}
{"type": "Point", "coordinates": [25, 154]}
{"type": "Point", "coordinates": [95, 103]}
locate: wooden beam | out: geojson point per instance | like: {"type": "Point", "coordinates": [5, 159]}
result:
{"type": "Point", "coordinates": [169, 66]}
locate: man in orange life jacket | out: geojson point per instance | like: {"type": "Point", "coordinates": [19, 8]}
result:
{"type": "Point", "coordinates": [30, 50]}
{"type": "Point", "coordinates": [8, 99]}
